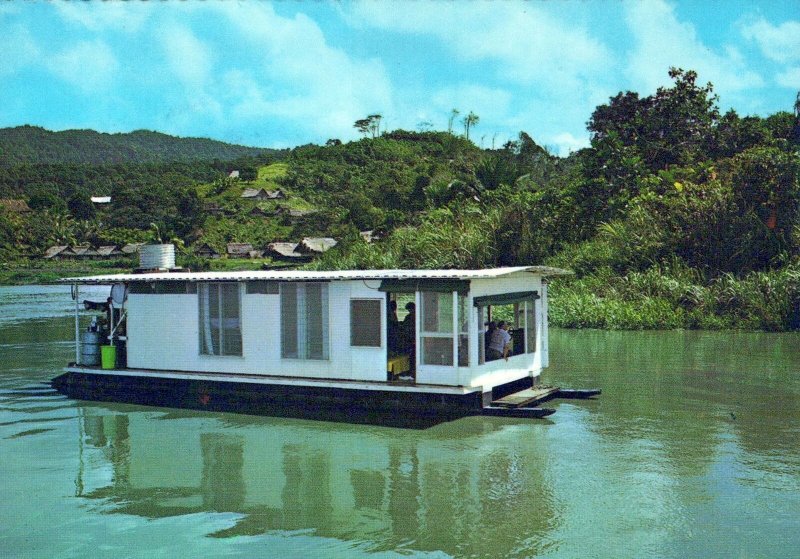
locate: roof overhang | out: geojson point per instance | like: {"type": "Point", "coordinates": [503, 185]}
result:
{"type": "Point", "coordinates": [307, 275]}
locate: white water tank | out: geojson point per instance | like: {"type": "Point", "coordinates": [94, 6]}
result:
{"type": "Point", "coordinates": [157, 257]}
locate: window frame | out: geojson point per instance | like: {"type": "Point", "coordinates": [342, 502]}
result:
{"type": "Point", "coordinates": [205, 329]}
{"type": "Point", "coordinates": [300, 316]}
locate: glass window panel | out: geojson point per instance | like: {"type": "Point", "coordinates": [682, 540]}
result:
{"type": "Point", "coordinates": [365, 322]}
{"type": "Point", "coordinates": [220, 324]}
{"type": "Point", "coordinates": [463, 350]}
{"type": "Point", "coordinates": [289, 320]}
{"type": "Point", "coordinates": [437, 312]}
{"type": "Point", "coordinates": [530, 331]}
{"type": "Point", "coordinates": [263, 288]}
{"type": "Point", "coordinates": [314, 335]}
{"type": "Point", "coordinates": [437, 351]}
{"type": "Point", "coordinates": [304, 320]}
{"type": "Point", "coordinates": [463, 315]}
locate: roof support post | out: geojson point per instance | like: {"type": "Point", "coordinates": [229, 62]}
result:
{"type": "Point", "coordinates": [75, 295]}
{"type": "Point", "coordinates": [456, 329]}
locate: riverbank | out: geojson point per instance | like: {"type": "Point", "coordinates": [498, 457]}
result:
{"type": "Point", "coordinates": [669, 299]}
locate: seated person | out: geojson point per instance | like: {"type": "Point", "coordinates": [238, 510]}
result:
{"type": "Point", "coordinates": [500, 343]}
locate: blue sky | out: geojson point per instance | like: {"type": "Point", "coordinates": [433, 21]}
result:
{"type": "Point", "coordinates": [287, 73]}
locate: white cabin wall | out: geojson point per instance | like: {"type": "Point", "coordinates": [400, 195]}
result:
{"type": "Point", "coordinates": [163, 334]}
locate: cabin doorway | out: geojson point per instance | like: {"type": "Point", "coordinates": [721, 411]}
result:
{"type": "Point", "coordinates": [401, 337]}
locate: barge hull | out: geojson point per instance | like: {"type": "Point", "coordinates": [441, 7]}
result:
{"type": "Point", "coordinates": [396, 406]}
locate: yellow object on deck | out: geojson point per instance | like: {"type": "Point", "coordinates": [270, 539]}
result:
{"type": "Point", "coordinates": [398, 365]}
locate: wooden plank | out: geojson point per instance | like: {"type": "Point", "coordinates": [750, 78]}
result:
{"type": "Point", "coordinates": [526, 397]}
{"type": "Point", "coordinates": [578, 394]}
{"type": "Point", "coordinates": [524, 412]}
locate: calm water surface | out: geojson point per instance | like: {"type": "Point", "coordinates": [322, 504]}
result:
{"type": "Point", "coordinates": [693, 450]}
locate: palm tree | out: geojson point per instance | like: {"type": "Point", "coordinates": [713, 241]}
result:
{"type": "Point", "coordinates": [453, 114]}
{"type": "Point", "coordinates": [469, 121]}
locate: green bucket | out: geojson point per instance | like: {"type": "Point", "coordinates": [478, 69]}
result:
{"type": "Point", "coordinates": [108, 356]}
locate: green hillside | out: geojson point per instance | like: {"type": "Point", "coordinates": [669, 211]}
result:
{"type": "Point", "coordinates": [676, 216]}
{"type": "Point", "coordinates": [34, 145]}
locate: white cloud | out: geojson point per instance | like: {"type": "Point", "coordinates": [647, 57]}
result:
{"type": "Point", "coordinates": [528, 43]}
{"type": "Point", "coordinates": [790, 78]}
{"type": "Point", "coordinates": [780, 43]}
{"type": "Point", "coordinates": [188, 58]}
{"type": "Point", "coordinates": [19, 50]}
{"type": "Point", "coordinates": [299, 77]}
{"type": "Point", "coordinates": [102, 16]}
{"type": "Point", "coordinates": [89, 65]}
{"type": "Point", "coordinates": [567, 143]}
{"type": "Point", "coordinates": [662, 41]}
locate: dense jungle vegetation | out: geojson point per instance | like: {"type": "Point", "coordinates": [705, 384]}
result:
{"type": "Point", "coordinates": [676, 216]}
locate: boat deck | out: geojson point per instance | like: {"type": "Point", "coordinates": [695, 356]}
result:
{"type": "Point", "coordinates": [528, 397]}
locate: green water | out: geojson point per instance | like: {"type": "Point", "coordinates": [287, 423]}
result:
{"type": "Point", "coordinates": [693, 450]}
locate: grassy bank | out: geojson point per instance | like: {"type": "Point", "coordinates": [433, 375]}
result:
{"type": "Point", "coordinates": [661, 298]}
{"type": "Point", "coordinates": [26, 271]}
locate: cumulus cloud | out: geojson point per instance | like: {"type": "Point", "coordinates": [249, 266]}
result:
{"type": "Point", "coordinates": [567, 143]}
{"type": "Point", "coordinates": [790, 78]}
{"type": "Point", "coordinates": [299, 76]}
{"type": "Point", "coordinates": [188, 57]}
{"type": "Point", "coordinates": [19, 50]}
{"type": "Point", "coordinates": [528, 42]}
{"type": "Point", "coordinates": [102, 16]}
{"type": "Point", "coordinates": [661, 40]}
{"type": "Point", "coordinates": [780, 43]}
{"type": "Point", "coordinates": [89, 65]}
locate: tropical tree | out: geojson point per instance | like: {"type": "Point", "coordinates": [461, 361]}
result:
{"type": "Point", "coordinates": [469, 121]}
{"type": "Point", "coordinates": [370, 125]}
{"type": "Point", "coordinates": [453, 114]}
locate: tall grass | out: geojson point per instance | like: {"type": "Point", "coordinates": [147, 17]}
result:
{"type": "Point", "coordinates": [667, 297]}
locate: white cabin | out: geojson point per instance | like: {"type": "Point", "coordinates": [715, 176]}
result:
{"type": "Point", "coordinates": [333, 326]}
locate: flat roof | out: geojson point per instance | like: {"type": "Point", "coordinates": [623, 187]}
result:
{"type": "Point", "coordinates": [305, 275]}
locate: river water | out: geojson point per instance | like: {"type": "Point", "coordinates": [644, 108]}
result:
{"type": "Point", "coordinates": [693, 450]}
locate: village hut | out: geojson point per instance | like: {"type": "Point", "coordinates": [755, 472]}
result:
{"type": "Point", "coordinates": [108, 251]}
{"type": "Point", "coordinates": [255, 194]}
{"type": "Point", "coordinates": [16, 205]}
{"type": "Point", "coordinates": [239, 250]}
{"type": "Point", "coordinates": [55, 252]}
{"type": "Point", "coordinates": [206, 251]}
{"type": "Point", "coordinates": [131, 248]}
{"type": "Point", "coordinates": [286, 251]}
{"type": "Point", "coordinates": [316, 245]}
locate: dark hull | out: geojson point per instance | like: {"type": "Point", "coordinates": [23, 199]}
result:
{"type": "Point", "coordinates": [401, 409]}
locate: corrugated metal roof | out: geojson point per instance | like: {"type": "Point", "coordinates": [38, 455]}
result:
{"type": "Point", "coordinates": [304, 275]}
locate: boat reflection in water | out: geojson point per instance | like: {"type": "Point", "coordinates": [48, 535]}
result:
{"type": "Point", "coordinates": [465, 488]}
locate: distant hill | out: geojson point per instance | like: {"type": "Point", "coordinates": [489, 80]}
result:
{"type": "Point", "coordinates": [35, 145]}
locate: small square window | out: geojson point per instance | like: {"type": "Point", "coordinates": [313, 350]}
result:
{"type": "Point", "coordinates": [365, 322]}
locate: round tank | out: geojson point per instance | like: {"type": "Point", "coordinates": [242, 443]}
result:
{"type": "Point", "coordinates": [153, 257]}
{"type": "Point", "coordinates": [90, 348]}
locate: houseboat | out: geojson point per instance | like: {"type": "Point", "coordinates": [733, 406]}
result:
{"type": "Point", "coordinates": [329, 344]}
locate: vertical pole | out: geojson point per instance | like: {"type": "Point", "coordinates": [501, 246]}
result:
{"type": "Point", "coordinates": [456, 333]}
{"type": "Point", "coordinates": [76, 294]}
{"type": "Point", "coordinates": [417, 337]}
